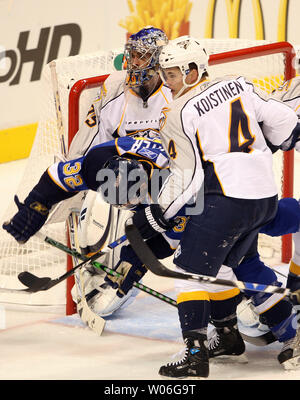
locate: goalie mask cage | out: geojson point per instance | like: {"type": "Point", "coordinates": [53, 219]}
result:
{"type": "Point", "coordinates": [78, 79]}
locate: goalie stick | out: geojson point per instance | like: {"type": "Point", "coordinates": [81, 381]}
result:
{"type": "Point", "coordinates": [154, 265]}
{"type": "Point", "coordinates": [91, 319]}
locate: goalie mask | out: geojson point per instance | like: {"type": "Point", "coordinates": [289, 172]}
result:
{"type": "Point", "coordinates": [141, 55]}
{"type": "Point", "coordinates": [181, 53]}
{"type": "Point", "coordinates": [123, 182]}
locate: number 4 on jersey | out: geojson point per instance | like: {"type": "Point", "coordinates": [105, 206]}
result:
{"type": "Point", "coordinates": [240, 137]}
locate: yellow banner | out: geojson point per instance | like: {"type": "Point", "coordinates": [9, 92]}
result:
{"type": "Point", "coordinates": [233, 8]}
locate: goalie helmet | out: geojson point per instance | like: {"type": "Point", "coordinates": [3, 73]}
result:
{"type": "Point", "coordinates": [123, 182]}
{"type": "Point", "coordinates": [181, 53]}
{"type": "Point", "coordinates": [145, 45]}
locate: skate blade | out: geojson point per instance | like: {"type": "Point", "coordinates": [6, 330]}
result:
{"type": "Point", "coordinates": [241, 359]}
{"type": "Point", "coordinates": [192, 378]}
{"type": "Point", "coordinates": [292, 364]}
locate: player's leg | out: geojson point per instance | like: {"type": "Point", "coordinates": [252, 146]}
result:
{"type": "Point", "coordinates": [274, 310]}
{"type": "Point", "coordinates": [293, 281]}
{"type": "Point", "coordinates": [225, 341]}
{"type": "Point", "coordinates": [98, 220]}
{"type": "Point", "coordinates": [287, 220]}
{"type": "Point", "coordinates": [213, 234]}
{"type": "Point", "coordinates": [193, 311]}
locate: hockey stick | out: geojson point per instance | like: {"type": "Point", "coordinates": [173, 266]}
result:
{"type": "Point", "coordinates": [36, 284]}
{"type": "Point", "coordinates": [91, 319]}
{"type": "Point", "coordinates": [153, 264]}
{"type": "Point", "coordinates": [60, 127]}
{"type": "Point", "coordinates": [97, 265]}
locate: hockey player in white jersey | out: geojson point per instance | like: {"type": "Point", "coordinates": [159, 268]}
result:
{"type": "Point", "coordinates": [129, 103]}
{"type": "Point", "coordinates": [213, 130]}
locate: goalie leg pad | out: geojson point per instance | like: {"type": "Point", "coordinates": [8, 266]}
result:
{"type": "Point", "coordinates": [106, 302]}
{"type": "Point", "coordinates": [90, 280]}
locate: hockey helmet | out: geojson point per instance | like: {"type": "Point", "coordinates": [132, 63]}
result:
{"type": "Point", "coordinates": [182, 52]}
{"type": "Point", "coordinates": [123, 182]}
{"type": "Point", "coordinates": [146, 45]}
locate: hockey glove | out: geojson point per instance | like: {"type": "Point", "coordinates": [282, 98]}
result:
{"type": "Point", "coordinates": [28, 220]}
{"type": "Point", "coordinates": [150, 221]}
{"type": "Point", "coordinates": [130, 274]}
{"type": "Point", "coordinates": [293, 142]}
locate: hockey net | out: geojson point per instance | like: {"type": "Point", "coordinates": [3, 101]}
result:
{"type": "Point", "coordinates": [267, 65]}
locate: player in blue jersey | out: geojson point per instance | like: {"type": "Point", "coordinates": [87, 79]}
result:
{"type": "Point", "coordinates": [63, 180]}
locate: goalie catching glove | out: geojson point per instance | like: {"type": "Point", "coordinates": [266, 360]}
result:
{"type": "Point", "coordinates": [29, 219]}
{"type": "Point", "coordinates": [150, 221]}
{"type": "Point", "coordinates": [131, 269]}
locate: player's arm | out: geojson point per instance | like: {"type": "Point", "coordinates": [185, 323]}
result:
{"type": "Point", "coordinates": [93, 130]}
{"type": "Point", "coordinates": [59, 182]}
{"type": "Point", "coordinates": [292, 142]}
{"type": "Point", "coordinates": [184, 181]}
{"type": "Point", "coordinates": [278, 121]}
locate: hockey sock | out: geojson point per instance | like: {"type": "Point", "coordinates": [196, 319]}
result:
{"type": "Point", "coordinates": [224, 310]}
{"type": "Point", "coordinates": [193, 310]}
{"type": "Point", "coordinates": [293, 280]}
{"type": "Point", "coordinates": [280, 320]}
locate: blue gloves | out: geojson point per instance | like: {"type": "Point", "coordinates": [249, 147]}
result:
{"type": "Point", "coordinates": [28, 220]}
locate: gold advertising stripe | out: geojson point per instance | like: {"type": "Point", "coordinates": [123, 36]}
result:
{"type": "Point", "coordinates": [233, 12]}
{"type": "Point", "coordinates": [16, 142]}
{"type": "Point", "coordinates": [209, 20]}
{"type": "Point", "coordinates": [258, 20]}
{"type": "Point", "coordinates": [233, 17]}
{"type": "Point", "coordinates": [282, 20]}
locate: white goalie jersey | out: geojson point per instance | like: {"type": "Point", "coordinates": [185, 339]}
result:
{"type": "Point", "coordinates": [215, 134]}
{"type": "Point", "coordinates": [118, 111]}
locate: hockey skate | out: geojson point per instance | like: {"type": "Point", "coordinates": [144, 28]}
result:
{"type": "Point", "coordinates": [225, 344]}
{"type": "Point", "coordinates": [194, 364]}
{"type": "Point", "coordinates": [289, 357]}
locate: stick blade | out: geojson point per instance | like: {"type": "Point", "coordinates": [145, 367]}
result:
{"type": "Point", "coordinates": [92, 320]}
{"type": "Point", "coordinates": [33, 282]}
